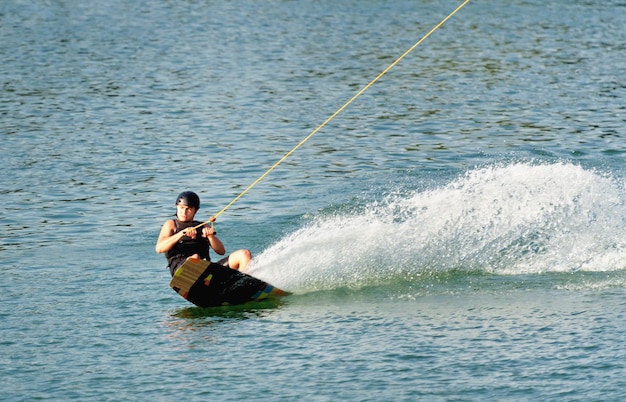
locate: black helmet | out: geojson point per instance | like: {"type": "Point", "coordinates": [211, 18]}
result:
{"type": "Point", "coordinates": [189, 199]}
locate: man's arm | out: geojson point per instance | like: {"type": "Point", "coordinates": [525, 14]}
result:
{"type": "Point", "coordinates": [168, 237]}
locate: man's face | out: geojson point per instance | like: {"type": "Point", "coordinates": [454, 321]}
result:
{"type": "Point", "coordinates": [185, 213]}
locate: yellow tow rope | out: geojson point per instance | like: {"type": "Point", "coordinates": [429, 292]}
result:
{"type": "Point", "coordinates": [365, 88]}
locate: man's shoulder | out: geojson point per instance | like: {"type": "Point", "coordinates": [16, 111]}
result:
{"type": "Point", "coordinates": [171, 223]}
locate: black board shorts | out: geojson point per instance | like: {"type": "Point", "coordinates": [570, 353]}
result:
{"type": "Point", "coordinates": [178, 261]}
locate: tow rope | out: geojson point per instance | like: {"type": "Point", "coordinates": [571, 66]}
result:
{"type": "Point", "coordinates": [345, 105]}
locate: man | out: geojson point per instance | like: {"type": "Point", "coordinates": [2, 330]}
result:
{"type": "Point", "coordinates": [179, 241]}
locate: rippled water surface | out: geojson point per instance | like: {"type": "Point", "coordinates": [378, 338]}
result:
{"type": "Point", "coordinates": [457, 233]}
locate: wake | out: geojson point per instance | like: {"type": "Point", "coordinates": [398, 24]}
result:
{"type": "Point", "coordinates": [520, 218]}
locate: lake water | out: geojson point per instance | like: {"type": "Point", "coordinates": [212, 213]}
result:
{"type": "Point", "coordinates": [457, 233]}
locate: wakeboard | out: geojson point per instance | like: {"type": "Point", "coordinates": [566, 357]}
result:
{"type": "Point", "coordinates": [207, 284]}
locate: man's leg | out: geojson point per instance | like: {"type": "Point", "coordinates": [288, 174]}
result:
{"type": "Point", "coordinates": [239, 260]}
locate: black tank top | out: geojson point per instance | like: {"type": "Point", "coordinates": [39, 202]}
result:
{"type": "Point", "coordinates": [187, 246]}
